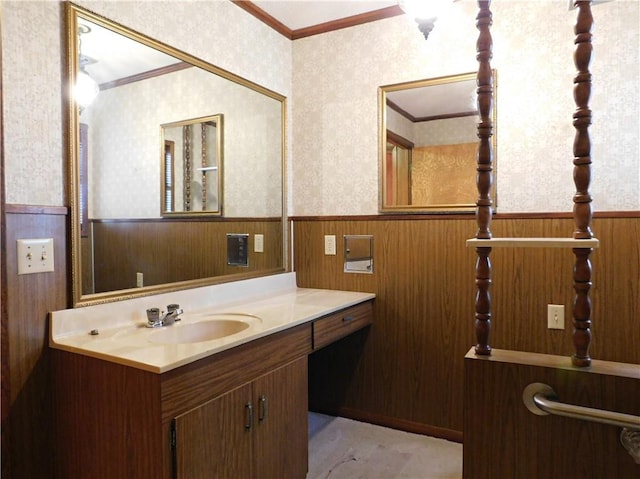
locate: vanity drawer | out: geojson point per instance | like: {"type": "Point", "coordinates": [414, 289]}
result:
{"type": "Point", "coordinates": [338, 325]}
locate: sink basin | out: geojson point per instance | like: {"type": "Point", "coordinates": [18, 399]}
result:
{"type": "Point", "coordinates": [214, 327]}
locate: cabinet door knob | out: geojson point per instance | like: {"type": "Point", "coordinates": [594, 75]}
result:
{"type": "Point", "coordinates": [249, 410]}
{"type": "Point", "coordinates": [263, 408]}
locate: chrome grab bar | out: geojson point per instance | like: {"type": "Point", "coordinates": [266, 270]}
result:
{"type": "Point", "coordinates": [539, 399]}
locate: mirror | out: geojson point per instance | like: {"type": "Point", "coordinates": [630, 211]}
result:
{"type": "Point", "coordinates": [141, 226]}
{"type": "Point", "coordinates": [428, 145]}
{"type": "Point", "coordinates": [191, 165]}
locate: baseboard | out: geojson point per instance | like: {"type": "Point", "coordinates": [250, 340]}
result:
{"type": "Point", "coordinates": [399, 424]}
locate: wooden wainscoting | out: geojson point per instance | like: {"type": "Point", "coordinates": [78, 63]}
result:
{"type": "Point", "coordinates": [408, 370]}
{"type": "Point", "coordinates": [169, 250]}
{"type": "Point", "coordinates": [26, 374]}
{"type": "Point", "coordinates": [502, 438]}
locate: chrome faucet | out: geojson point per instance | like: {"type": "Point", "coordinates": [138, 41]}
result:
{"type": "Point", "coordinates": [155, 320]}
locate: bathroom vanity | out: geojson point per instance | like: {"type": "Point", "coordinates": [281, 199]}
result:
{"type": "Point", "coordinates": [132, 401]}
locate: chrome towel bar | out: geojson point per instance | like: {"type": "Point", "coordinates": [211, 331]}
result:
{"type": "Point", "coordinates": [540, 399]}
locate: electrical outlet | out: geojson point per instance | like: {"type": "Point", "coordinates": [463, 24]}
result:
{"type": "Point", "coordinates": [139, 280]}
{"type": "Point", "coordinates": [330, 245]}
{"type": "Point", "coordinates": [555, 316]}
{"type": "Point", "coordinates": [258, 243]}
{"type": "Point", "coordinates": [35, 255]}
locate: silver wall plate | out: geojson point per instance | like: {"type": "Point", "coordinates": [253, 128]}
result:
{"type": "Point", "coordinates": [358, 254]}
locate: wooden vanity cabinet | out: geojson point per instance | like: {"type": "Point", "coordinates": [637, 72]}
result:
{"type": "Point", "coordinates": [258, 430]}
{"type": "Point", "coordinates": [117, 421]}
{"type": "Point", "coordinates": [333, 327]}
{"type": "Point", "coordinates": [113, 420]}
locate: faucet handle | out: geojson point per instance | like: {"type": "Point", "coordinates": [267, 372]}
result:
{"type": "Point", "coordinates": [174, 311]}
{"type": "Point", "coordinates": [153, 317]}
{"type": "Point", "coordinates": [153, 314]}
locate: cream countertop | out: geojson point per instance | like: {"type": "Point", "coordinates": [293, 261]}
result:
{"type": "Point", "coordinates": [275, 302]}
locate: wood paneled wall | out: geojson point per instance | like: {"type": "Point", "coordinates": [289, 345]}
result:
{"type": "Point", "coordinates": [27, 422]}
{"type": "Point", "coordinates": [502, 438]}
{"type": "Point", "coordinates": [169, 250]}
{"type": "Point", "coordinates": [409, 372]}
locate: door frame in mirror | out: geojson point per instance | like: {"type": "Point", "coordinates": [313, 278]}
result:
{"type": "Point", "coordinates": [78, 299]}
{"type": "Point", "coordinates": [453, 207]}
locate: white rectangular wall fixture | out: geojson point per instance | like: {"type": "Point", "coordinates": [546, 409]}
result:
{"type": "Point", "coordinates": [358, 254]}
{"type": "Point", "coordinates": [35, 255]}
{"type": "Point", "coordinates": [258, 243]}
{"type": "Point", "coordinates": [555, 316]}
{"type": "Point", "coordinates": [330, 245]}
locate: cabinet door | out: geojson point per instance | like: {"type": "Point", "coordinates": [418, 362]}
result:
{"type": "Point", "coordinates": [215, 439]}
{"type": "Point", "coordinates": [281, 435]}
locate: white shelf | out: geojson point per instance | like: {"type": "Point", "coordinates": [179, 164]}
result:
{"type": "Point", "coordinates": [207, 168]}
{"type": "Point", "coordinates": [533, 243]}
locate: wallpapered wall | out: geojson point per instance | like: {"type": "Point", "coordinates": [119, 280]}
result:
{"type": "Point", "coordinates": [217, 32]}
{"type": "Point", "coordinates": [434, 132]}
{"type": "Point", "coordinates": [334, 122]}
{"type": "Point", "coordinates": [124, 181]}
{"type": "Point", "coordinates": [336, 76]}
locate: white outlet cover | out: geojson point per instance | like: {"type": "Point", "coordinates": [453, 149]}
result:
{"type": "Point", "coordinates": [258, 243]}
{"type": "Point", "coordinates": [330, 245]}
{"type": "Point", "coordinates": [35, 255]}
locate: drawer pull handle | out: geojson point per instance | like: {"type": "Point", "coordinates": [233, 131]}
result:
{"type": "Point", "coordinates": [346, 319]}
{"type": "Point", "coordinates": [249, 409]}
{"type": "Point", "coordinates": [263, 408]}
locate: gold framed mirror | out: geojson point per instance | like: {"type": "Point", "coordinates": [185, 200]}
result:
{"type": "Point", "coordinates": [125, 242]}
{"type": "Point", "coordinates": [191, 161]}
{"type": "Point", "coordinates": [428, 145]}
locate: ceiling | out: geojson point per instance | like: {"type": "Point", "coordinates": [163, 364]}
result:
{"type": "Point", "coordinates": [435, 101]}
{"type": "Point", "coordinates": [113, 56]}
{"type": "Point", "coordinates": [299, 14]}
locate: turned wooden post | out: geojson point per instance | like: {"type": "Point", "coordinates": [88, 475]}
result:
{"type": "Point", "coordinates": [582, 212]}
{"type": "Point", "coordinates": [484, 177]}
{"type": "Point", "coordinates": [186, 152]}
{"type": "Point", "coordinates": [203, 150]}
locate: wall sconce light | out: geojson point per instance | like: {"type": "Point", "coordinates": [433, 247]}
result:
{"type": "Point", "coordinates": [425, 12]}
{"type": "Point", "coordinates": [86, 88]}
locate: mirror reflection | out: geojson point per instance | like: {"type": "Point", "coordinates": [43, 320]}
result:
{"type": "Point", "coordinates": [141, 225]}
{"type": "Point", "coordinates": [358, 254]}
{"type": "Point", "coordinates": [429, 144]}
{"type": "Point", "coordinates": [191, 165]}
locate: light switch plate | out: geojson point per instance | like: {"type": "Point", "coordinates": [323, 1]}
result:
{"type": "Point", "coordinates": [555, 316]}
{"type": "Point", "coordinates": [35, 255]}
{"type": "Point", "coordinates": [258, 243]}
